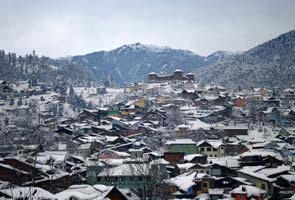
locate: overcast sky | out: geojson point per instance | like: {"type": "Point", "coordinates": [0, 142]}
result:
{"type": "Point", "coordinates": [59, 28]}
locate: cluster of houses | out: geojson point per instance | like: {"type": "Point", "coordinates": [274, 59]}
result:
{"type": "Point", "coordinates": [170, 138]}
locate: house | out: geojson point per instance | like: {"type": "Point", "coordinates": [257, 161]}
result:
{"type": "Point", "coordinates": [103, 192]}
{"type": "Point", "coordinates": [228, 183]}
{"type": "Point", "coordinates": [94, 115]}
{"type": "Point", "coordinates": [25, 193]}
{"type": "Point", "coordinates": [159, 168]}
{"type": "Point", "coordinates": [183, 183]}
{"type": "Point", "coordinates": [235, 130]}
{"type": "Point", "coordinates": [233, 149]}
{"type": "Point", "coordinates": [196, 158]}
{"type": "Point", "coordinates": [189, 94]}
{"type": "Point", "coordinates": [203, 169]}
{"type": "Point", "coordinates": [218, 170]}
{"type": "Point", "coordinates": [247, 192]}
{"type": "Point", "coordinates": [112, 154]}
{"type": "Point", "coordinates": [211, 148]}
{"type": "Point", "coordinates": [216, 193]}
{"type": "Point", "coordinates": [240, 102]}
{"type": "Point", "coordinates": [19, 172]}
{"type": "Point", "coordinates": [176, 76]}
{"type": "Point", "coordinates": [285, 186]}
{"type": "Point", "coordinates": [126, 175]}
{"type": "Point", "coordinates": [203, 182]}
{"type": "Point", "coordinates": [271, 115]}
{"type": "Point", "coordinates": [155, 114]}
{"type": "Point", "coordinates": [173, 157]}
{"type": "Point", "coordinates": [263, 177]}
{"type": "Point", "coordinates": [260, 157]}
{"type": "Point", "coordinates": [182, 130]}
{"type": "Point", "coordinates": [271, 102]}
{"type": "Point", "coordinates": [187, 146]}
{"type": "Point", "coordinates": [188, 85]}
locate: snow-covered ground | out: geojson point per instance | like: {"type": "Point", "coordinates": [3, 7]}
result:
{"type": "Point", "coordinates": [90, 95]}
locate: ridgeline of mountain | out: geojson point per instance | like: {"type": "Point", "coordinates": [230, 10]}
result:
{"type": "Point", "coordinates": [132, 63]}
{"type": "Point", "coordinates": [42, 69]}
{"type": "Point", "coordinates": [269, 65]}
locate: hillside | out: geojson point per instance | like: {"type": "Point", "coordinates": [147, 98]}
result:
{"type": "Point", "coordinates": [267, 65]}
{"type": "Point", "coordinates": [132, 63]}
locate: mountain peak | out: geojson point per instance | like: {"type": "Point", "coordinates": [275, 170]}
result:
{"type": "Point", "coordinates": [145, 47]}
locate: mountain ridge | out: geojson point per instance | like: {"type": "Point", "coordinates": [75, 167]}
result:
{"type": "Point", "coordinates": [132, 62]}
{"type": "Point", "coordinates": [266, 65]}
{"type": "Point", "coordinates": [269, 64]}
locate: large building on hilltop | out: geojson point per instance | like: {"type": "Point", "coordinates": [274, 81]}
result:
{"type": "Point", "coordinates": [176, 76]}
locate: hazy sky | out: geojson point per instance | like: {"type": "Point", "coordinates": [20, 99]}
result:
{"type": "Point", "coordinates": [59, 28]}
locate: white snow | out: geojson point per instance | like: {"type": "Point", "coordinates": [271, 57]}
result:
{"type": "Point", "coordinates": [180, 141]}
{"type": "Point", "coordinates": [248, 190]}
{"type": "Point", "coordinates": [183, 181]}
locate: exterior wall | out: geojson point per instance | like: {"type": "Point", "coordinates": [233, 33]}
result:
{"type": "Point", "coordinates": [257, 183]}
{"type": "Point", "coordinates": [237, 131]}
{"type": "Point", "coordinates": [239, 196]}
{"type": "Point", "coordinates": [182, 132]}
{"type": "Point", "coordinates": [186, 148]}
{"type": "Point", "coordinates": [126, 181]}
{"type": "Point", "coordinates": [204, 186]}
{"type": "Point", "coordinates": [244, 197]}
{"type": "Point", "coordinates": [173, 157]}
{"type": "Point", "coordinates": [11, 176]}
{"type": "Point", "coordinates": [211, 152]}
{"type": "Point", "coordinates": [215, 172]}
{"type": "Point", "coordinates": [205, 170]}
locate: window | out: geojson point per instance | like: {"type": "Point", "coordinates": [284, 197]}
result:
{"type": "Point", "coordinates": [205, 185]}
{"type": "Point", "coordinates": [207, 172]}
{"type": "Point", "coordinates": [215, 155]}
{"type": "Point", "coordinates": [208, 149]}
{"type": "Point", "coordinates": [202, 149]}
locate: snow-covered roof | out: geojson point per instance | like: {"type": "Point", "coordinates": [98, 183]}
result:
{"type": "Point", "coordinates": [198, 124]}
{"type": "Point", "coordinates": [264, 173]}
{"type": "Point", "coordinates": [262, 153]}
{"type": "Point", "coordinates": [229, 161]}
{"type": "Point", "coordinates": [216, 191]}
{"type": "Point", "coordinates": [159, 161]}
{"type": "Point", "coordinates": [289, 177]}
{"type": "Point", "coordinates": [242, 180]}
{"type": "Point", "coordinates": [127, 170]}
{"type": "Point", "coordinates": [33, 193]}
{"type": "Point", "coordinates": [248, 190]}
{"type": "Point", "coordinates": [178, 70]}
{"type": "Point", "coordinates": [214, 143]}
{"type": "Point", "coordinates": [190, 157]}
{"type": "Point", "coordinates": [57, 156]}
{"type": "Point", "coordinates": [185, 166]}
{"type": "Point", "coordinates": [96, 192]}
{"type": "Point", "coordinates": [183, 181]}
{"type": "Point", "coordinates": [180, 141]}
